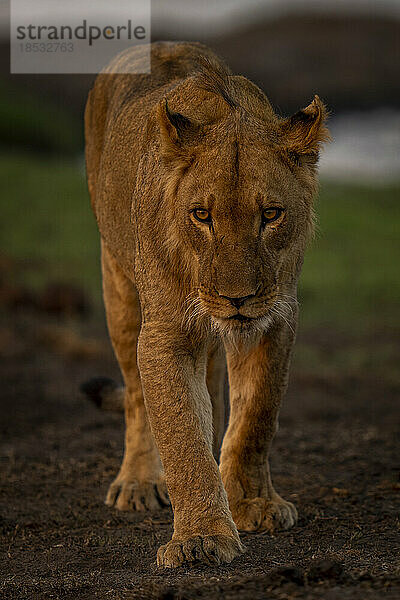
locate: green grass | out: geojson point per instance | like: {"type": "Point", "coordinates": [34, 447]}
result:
{"type": "Point", "coordinates": [47, 222]}
{"type": "Point", "coordinates": [350, 276]}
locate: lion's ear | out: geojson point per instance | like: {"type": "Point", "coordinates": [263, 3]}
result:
{"type": "Point", "coordinates": [177, 132]}
{"type": "Point", "coordinates": [304, 133]}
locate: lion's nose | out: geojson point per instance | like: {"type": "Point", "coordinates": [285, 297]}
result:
{"type": "Point", "coordinates": [238, 301]}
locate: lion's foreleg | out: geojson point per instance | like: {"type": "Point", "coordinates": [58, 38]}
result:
{"type": "Point", "coordinates": [257, 380]}
{"type": "Point", "coordinates": [179, 408]}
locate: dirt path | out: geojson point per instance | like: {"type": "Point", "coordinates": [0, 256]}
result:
{"type": "Point", "coordinates": [334, 456]}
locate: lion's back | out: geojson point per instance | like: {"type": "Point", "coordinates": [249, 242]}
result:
{"type": "Point", "coordinates": [115, 95]}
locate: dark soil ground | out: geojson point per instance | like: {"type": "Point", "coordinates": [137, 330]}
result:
{"type": "Point", "coordinates": [334, 456]}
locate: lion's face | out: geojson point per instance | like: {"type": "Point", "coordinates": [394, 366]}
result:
{"type": "Point", "coordinates": [245, 230]}
{"type": "Point", "coordinates": [242, 213]}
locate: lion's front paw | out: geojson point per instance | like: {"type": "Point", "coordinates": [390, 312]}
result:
{"type": "Point", "coordinates": [261, 514]}
{"type": "Point", "coordinates": [209, 549]}
{"type": "Point", "coordinates": [137, 495]}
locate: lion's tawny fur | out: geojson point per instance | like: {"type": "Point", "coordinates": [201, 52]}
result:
{"type": "Point", "coordinates": [177, 290]}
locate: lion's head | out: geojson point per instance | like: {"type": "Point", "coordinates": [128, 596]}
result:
{"type": "Point", "coordinates": [241, 183]}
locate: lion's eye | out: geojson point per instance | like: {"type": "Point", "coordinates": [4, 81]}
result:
{"type": "Point", "coordinates": [271, 214]}
{"type": "Point", "coordinates": [202, 215]}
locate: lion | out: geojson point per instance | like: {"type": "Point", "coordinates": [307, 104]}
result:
{"type": "Point", "coordinates": [204, 202]}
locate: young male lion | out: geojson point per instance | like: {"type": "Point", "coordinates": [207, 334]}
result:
{"type": "Point", "coordinates": [203, 198]}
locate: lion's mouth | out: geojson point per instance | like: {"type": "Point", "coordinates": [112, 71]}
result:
{"type": "Point", "coordinates": [240, 318]}
{"type": "Point", "coordinates": [240, 325]}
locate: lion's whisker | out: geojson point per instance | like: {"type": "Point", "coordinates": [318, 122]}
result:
{"type": "Point", "coordinates": [275, 310]}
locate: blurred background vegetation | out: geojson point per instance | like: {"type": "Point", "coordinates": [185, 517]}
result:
{"type": "Point", "coordinates": [350, 283]}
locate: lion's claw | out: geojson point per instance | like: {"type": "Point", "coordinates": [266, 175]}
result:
{"type": "Point", "coordinates": [209, 549]}
{"type": "Point", "coordinates": [262, 514]}
{"type": "Point", "coordinates": [137, 496]}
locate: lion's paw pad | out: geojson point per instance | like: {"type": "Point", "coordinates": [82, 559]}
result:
{"type": "Point", "coordinates": [209, 549]}
{"type": "Point", "coordinates": [137, 496]}
{"type": "Point", "coordinates": [261, 514]}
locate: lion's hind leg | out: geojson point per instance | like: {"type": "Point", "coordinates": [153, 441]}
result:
{"type": "Point", "coordinates": [140, 483]}
{"type": "Point", "coordinates": [216, 371]}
